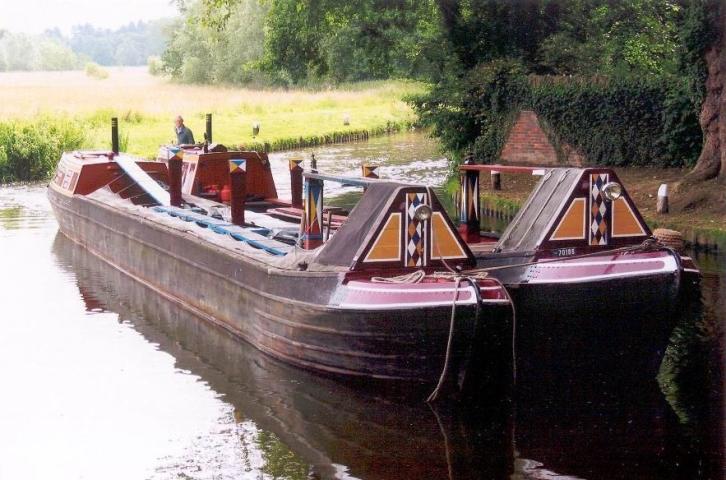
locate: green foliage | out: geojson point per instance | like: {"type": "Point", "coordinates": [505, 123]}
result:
{"type": "Point", "coordinates": [697, 30]}
{"type": "Point", "coordinates": [93, 70]}
{"type": "Point", "coordinates": [621, 122]}
{"type": "Point", "coordinates": [132, 44]}
{"type": "Point", "coordinates": [155, 66]}
{"type": "Point", "coordinates": [30, 150]}
{"type": "Point", "coordinates": [628, 121]}
{"type": "Point", "coordinates": [289, 42]}
{"type": "Point", "coordinates": [470, 114]}
{"type": "Point", "coordinates": [19, 51]}
{"type": "Point", "coordinates": [204, 51]}
{"type": "Point", "coordinates": [635, 98]}
{"type": "Point", "coordinates": [595, 37]}
{"type": "Point", "coordinates": [129, 45]}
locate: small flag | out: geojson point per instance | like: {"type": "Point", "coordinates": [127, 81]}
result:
{"type": "Point", "coordinates": [236, 165]}
{"type": "Point", "coordinates": [295, 163]}
{"type": "Point", "coordinates": [370, 171]}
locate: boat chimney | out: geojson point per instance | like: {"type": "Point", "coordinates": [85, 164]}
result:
{"type": "Point", "coordinates": [469, 209]}
{"type": "Point", "coordinates": [114, 136]}
{"type": "Point", "coordinates": [238, 186]}
{"type": "Point", "coordinates": [296, 182]}
{"type": "Point", "coordinates": [175, 181]}
{"type": "Point", "coordinates": [208, 136]}
{"type": "Point", "coordinates": [312, 220]}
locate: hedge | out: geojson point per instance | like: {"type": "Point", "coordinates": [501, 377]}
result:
{"type": "Point", "coordinates": [622, 121]}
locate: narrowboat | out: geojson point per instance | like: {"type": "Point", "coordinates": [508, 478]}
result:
{"type": "Point", "coordinates": [584, 270]}
{"type": "Point", "coordinates": [315, 293]}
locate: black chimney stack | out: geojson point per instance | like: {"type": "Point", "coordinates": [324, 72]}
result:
{"type": "Point", "coordinates": [114, 135]}
{"type": "Point", "coordinates": [209, 128]}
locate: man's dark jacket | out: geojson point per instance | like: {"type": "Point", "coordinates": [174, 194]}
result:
{"type": "Point", "coordinates": [184, 136]}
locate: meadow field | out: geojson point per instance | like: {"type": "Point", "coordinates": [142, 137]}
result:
{"type": "Point", "coordinates": [82, 106]}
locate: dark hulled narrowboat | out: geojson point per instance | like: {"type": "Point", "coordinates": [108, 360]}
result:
{"type": "Point", "coordinates": [377, 297]}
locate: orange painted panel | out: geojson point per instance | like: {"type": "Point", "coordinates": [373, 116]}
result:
{"type": "Point", "coordinates": [572, 225]}
{"type": "Point", "coordinates": [625, 223]}
{"type": "Point", "coordinates": [443, 242]}
{"type": "Point", "coordinates": [387, 246]}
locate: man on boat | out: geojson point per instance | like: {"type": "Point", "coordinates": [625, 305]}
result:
{"type": "Point", "coordinates": [184, 136]}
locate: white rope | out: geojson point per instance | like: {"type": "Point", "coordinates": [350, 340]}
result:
{"type": "Point", "coordinates": [413, 277]}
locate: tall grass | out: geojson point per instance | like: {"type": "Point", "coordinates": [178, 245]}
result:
{"type": "Point", "coordinates": [147, 105]}
{"type": "Point", "coordinates": [29, 150]}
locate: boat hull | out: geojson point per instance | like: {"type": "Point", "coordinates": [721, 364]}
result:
{"type": "Point", "coordinates": [288, 316]}
{"type": "Point", "coordinates": [586, 329]}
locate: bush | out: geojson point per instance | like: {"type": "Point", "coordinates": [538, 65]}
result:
{"type": "Point", "coordinates": [30, 150]}
{"type": "Point", "coordinates": [93, 70]}
{"type": "Point", "coordinates": [194, 71]}
{"type": "Point", "coordinates": [156, 67]}
{"type": "Point", "coordinates": [472, 113]}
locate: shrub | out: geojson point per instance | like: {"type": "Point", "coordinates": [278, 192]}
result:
{"type": "Point", "coordinates": [30, 150]}
{"type": "Point", "coordinates": [156, 67]}
{"type": "Point", "coordinates": [471, 114]}
{"type": "Point", "coordinates": [93, 70]}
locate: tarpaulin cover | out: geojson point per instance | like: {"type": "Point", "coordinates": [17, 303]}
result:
{"type": "Point", "coordinates": [528, 228]}
{"type": "Point", "coordinates": [363, 221]}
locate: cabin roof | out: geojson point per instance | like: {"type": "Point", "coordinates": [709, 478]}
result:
{"type": "Point", "coordinates": [343, 247]}
{"type": "Point", "coordinates": [528, 228]}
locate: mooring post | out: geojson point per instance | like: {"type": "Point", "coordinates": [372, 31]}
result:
{"type": "Point", "coordinates": [312, 221]}
{"type": "Point", "coordinates": [209, 128]}
{"type": "Point", "coordinates": [238, 185]}
{"type": "Point", "coordinates": [469, 206]}
{"type": "Point", "coordinates": [114, 136]}
{"type": "Point", "coordinates": [296, 182]}
{"type": "Point", "coordinates": [369, 171]}
{"type": "Point", "coordinates": [175, 181]}
{"type": "Point", "coordinates": [496, 180]}
{"type": "Point", "coordinates": [313, 163]}
{"type": "Point", "coordinates": [662, 203]}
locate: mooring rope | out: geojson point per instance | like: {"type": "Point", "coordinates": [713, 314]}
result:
{"type": "Point", "coordinates": [411, 278]}
{"type": "Point", "coordinates": [435, 394]}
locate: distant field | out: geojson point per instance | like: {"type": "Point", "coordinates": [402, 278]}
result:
{"type": "Point", "coordinates": [146, 106]}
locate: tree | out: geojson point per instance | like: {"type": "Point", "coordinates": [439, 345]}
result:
{"type": "Point", "coordinates": [707, 28]}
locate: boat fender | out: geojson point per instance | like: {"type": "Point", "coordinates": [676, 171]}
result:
{"type": "Point", "coordinates": [226, 194]}
{"type": "Point", "coordinates": [669, 238]}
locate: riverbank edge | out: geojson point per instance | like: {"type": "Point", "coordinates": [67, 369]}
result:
{"type": "Point", "coordinates": [331, 138]}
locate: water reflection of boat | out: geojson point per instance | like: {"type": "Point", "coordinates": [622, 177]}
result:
{"type": "Point", "coordinates": [331, 426]}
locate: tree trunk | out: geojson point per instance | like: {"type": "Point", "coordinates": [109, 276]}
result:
{"type": "Point", "coordinates": [712, 161]}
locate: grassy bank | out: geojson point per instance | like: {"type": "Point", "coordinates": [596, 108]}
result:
{"type": "Point", "coordinates": [146, 107]}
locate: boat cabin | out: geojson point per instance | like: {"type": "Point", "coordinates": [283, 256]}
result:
{"type": "Point", "coordinates": [569, 212]}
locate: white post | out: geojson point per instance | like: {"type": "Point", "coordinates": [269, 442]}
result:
{"type": "Point", "coordinates": [662, 204]}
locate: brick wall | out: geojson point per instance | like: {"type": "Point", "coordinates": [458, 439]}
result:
{"type": "Point", "coordinates": [528, 144]}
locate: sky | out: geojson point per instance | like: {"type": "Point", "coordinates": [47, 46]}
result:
{"type": "Point", "coordinates": [35, 16]}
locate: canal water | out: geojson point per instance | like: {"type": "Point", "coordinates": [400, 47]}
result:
{"type": "Point", "coordinates": [102, 378]}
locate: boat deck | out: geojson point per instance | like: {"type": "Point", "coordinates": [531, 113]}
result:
{"type": "Point", "coordinates": [257, 237]}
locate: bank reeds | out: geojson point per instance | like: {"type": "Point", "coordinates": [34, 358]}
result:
{"type": "Point", "coordinates": [30, 149]}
